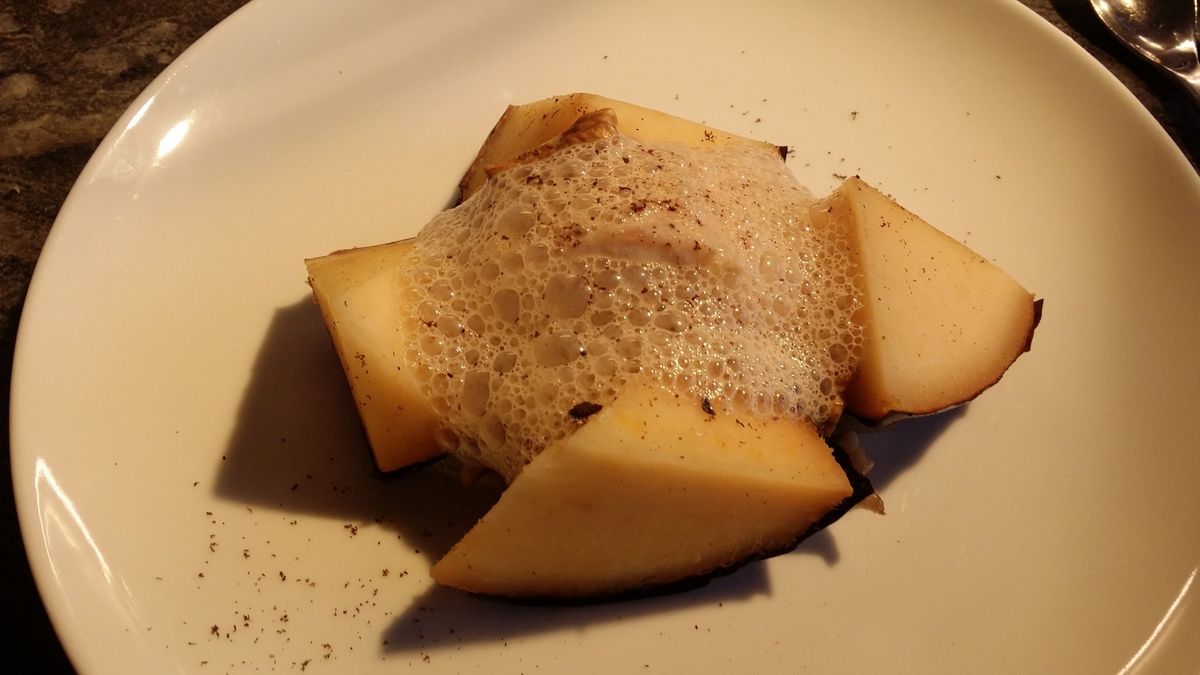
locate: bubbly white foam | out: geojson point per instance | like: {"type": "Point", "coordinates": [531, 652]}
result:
{"type": "Point", "coordinates": [565, 276]}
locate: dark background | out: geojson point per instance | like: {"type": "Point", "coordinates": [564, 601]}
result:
{"type": "Point", "coordinates": [69, 68]}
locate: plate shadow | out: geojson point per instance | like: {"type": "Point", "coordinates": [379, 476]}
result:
{"type": "Point", "coordinates": [897, 447]}
{"type": "Point", "coordinates": [297, 446]}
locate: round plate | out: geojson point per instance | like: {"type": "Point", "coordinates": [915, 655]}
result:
{"type": "Point", "coordinates": [196, 495]}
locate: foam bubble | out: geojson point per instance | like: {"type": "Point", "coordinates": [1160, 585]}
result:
{"type": "Point", "coordinates": [608, 259]}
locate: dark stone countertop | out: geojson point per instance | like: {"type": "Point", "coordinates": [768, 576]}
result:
{"type": "Point", "coordinates": [69, 68]}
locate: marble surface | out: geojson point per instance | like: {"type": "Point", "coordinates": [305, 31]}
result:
{"type": "Point", "coordinates": [69, 68]}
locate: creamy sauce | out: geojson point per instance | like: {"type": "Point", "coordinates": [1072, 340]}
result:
{"type": "Point", "coordinates": [607, 259]}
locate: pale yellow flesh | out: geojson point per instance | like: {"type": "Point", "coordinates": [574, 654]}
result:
{"type": "Point", "coordinates": [524, 127]}
{"type": "Point", "coordinates": [941, 323]}
{"type": "Point", "coordinates": [362, 300]}
{"type": "Point", "coordinates": [651, 490]}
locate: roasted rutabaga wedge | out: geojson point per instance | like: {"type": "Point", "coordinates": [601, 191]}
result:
{"type": "Point", "coordinates": [654, 485]}
{"type": "Point", "coordinates": [610, 507]}
{"type": "Point", "coordinates": [361, 295]}
{"type": "Point", "coordinates": [523, 129]}
{"type": "Point", "coordinates": [941, 322]}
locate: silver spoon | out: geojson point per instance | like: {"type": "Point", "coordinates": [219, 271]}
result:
{"type": "Point", "coordinates": [1162, 31]}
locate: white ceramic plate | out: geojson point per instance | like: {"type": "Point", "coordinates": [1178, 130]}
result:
{"type": "Point", "coordinates": [195, 493]}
